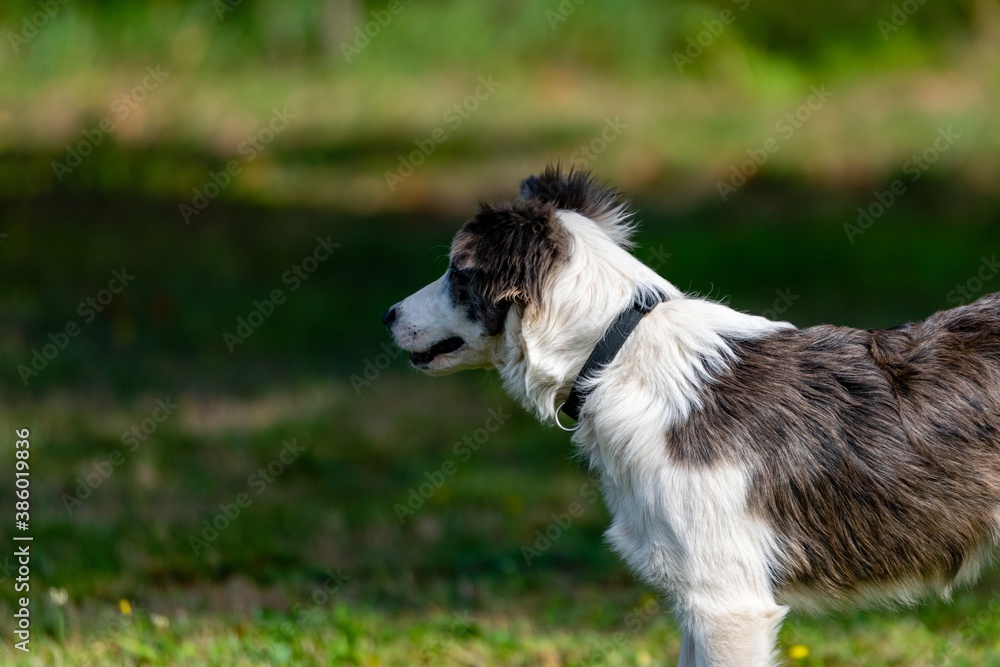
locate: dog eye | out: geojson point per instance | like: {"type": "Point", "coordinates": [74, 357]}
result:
{"type": "Point", "coordinates": [461, 276]}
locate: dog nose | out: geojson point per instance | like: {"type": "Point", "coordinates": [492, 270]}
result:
{"type": "Point", "coordinates": [389, 317]}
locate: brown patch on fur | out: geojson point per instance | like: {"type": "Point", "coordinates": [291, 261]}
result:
{"type": "Point", "coordinates": [875, 455]}
{"type": "Point", "coordinates": [509, 250]}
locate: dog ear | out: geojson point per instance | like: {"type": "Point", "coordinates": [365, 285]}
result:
{"type": "Point", "coordinates": [579, 191]}
{"type": "Point", "coordinates": [511, 249]}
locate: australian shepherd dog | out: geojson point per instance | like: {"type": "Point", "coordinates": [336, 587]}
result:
{"type": "Point", "coordinates": [749, 466]}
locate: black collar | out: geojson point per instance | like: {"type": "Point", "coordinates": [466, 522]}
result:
{"type": "Point", "coordinates": [603, 354]}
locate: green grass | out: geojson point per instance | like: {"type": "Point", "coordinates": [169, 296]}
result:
{"type": "Point", "coordinates": [571, 624]}
{"type": "Point", "coordinates": [319, 571]}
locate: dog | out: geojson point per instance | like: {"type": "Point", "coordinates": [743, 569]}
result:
{"type": "Point", "coordinates": [749, 466]}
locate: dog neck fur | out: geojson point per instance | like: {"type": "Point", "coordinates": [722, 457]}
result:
{"type": "Point", "coordinates": [546, 345]}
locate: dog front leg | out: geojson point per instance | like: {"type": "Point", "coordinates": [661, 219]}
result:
{"type": "Point", "coordinates": [733, 637]}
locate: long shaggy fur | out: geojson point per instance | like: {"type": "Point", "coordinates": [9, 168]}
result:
{"type": "Point", "coordinates": [748, 465]}
{"type": "Point", "coordinates": [578, 191]}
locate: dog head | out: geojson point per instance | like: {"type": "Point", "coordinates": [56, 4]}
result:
{"type": "Point", "coordinates": [501, 263]}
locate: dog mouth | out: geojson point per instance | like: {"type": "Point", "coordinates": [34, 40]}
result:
{"type": "Point", "coordinates": [443, 347]}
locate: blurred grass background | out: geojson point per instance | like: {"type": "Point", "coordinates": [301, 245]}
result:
{"type": "Point", "coordinates": [593, 83]}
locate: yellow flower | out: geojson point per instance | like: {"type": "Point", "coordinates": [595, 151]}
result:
{"type": "Point", "coordinates": [798, 652]}
{"type": "Point", "coordinates": [125, 607]}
